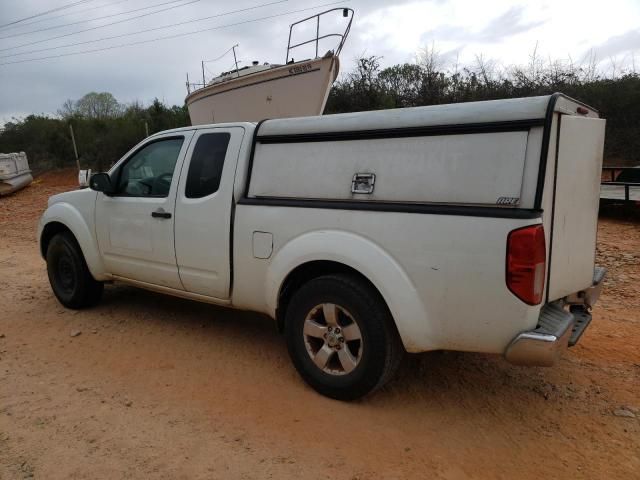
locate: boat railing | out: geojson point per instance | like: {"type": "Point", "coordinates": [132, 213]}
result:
{"type": "Point", "coordinates": [191, 87]}
{"type": "Point", "coordinates": [346, 12]}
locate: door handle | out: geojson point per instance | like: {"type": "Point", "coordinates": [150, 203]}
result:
{"type": "Point", "coordinates": [160, 213]}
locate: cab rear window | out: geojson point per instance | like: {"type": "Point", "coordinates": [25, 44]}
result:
{"type": "Point", "coordinates": [207, 161]}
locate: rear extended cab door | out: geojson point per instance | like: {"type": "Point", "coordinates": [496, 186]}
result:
{"type": "Point", "coordinates": [203, 211]}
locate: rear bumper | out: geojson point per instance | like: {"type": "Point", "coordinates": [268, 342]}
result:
{"type": "Point", "coordinates": [590, 296]}
{"type": "Point", "coordinates": [557, 327]}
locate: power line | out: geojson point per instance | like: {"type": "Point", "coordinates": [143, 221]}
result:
{"type": "Point", "coordinates": [57, 9]}
{"type": "Point", "coordinates": [141, 31]}
{"type": "Point", "coordinates": [213, 75]}
{"type": "Point", "coordinates": [100, 26]}
{"type": "Point", "coordinates": [217, 58]}
{"type": "Point", "coordinates": [174, 36]}
{"type": "Point", "coordinates": [236, 61]}
{"type": "Point", "coordinates": [109, 4]}
{"type": "Point", "coordinates": [90, 19]}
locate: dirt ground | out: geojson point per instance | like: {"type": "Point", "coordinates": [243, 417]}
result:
{"type": "Point", "coordinates": [158, 387]}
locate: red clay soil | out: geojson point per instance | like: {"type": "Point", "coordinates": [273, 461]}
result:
{"type": "Point", "coordinates": [158, 387]}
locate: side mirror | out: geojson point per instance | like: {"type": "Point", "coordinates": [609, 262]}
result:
{"type": "Point", "coordinates": [101, 182]}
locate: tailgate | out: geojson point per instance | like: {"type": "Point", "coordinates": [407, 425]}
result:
{"type": "Point", "coordinates": [575, 208]}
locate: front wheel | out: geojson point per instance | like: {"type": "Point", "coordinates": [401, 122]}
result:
{"type": "Point", "coordinates": [341, 337]}
{"type": "Point", "coordinates": [69, 276]}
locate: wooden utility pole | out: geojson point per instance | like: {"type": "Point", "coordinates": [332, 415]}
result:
{"type": "Point", "coordinates": [75, 148]}
{"type": "Point", "coordinates": [203, 81]}
{"type": "Point", "coordinates": [146, 128]}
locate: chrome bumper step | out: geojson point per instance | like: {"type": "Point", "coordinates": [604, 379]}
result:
{"type": "Point", "coordinates": [544, 345]}
{"type": "Point", "coordinates": [582, 320]}
{"type": "Point", "coordinates": [558, 328]}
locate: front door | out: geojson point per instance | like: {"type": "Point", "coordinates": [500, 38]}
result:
{"type": "Point", "coordinates": [135, 225]}
{"type": "Point", "coordinates": [203, 211]}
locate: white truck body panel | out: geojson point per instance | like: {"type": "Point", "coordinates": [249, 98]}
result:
{"type": "Point", "coordinates": [416, 169]}
{"type": "Point", "coordinates": [421, 266]}
{"type": "Point", "coordinates": [431, 237]}
{"type": "Point", "coordinates": [76, 211]}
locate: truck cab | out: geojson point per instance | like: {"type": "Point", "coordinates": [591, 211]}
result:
{"type": "Point", "coordinates": [167, 216]}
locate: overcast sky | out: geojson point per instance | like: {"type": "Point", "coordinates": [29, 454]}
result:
{"type": "Point", "coordinates": [501, 30]}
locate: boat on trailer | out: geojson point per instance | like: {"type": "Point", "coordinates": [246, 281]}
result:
{"type": "Point", "coordinates": [14, 172]}
{"type": "Point", "coordinates": [256, 92]}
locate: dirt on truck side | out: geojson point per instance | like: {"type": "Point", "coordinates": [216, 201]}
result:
{"type": "Point", "coordinates": [149, 386]}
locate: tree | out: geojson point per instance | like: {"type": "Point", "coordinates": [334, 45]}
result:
{"type": "Point", "coordinates": [68, 109]}
{"type": "Point", "coordinates": [361, 90]}
{"type": "Point", "coordinates": [402, 84]}
{"type": "Point", "coordinates": [98, 106]}
{"type": "Point", "coordinates": [93, 105]}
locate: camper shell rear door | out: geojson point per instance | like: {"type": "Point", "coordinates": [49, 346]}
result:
{"type": "Point", "coordinates": [571, 198]}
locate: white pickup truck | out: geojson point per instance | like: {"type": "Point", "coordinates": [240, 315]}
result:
{"type": "Point", "coordinates": [364, 235]}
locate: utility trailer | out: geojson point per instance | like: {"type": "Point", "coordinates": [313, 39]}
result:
{"type": "Point", "coordinates": [622, 185]}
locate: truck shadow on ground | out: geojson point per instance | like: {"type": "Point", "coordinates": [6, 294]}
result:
{"type": "Point", "coordinates": [462, 382]}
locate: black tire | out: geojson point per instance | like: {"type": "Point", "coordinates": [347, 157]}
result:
{"type": "Point", "coordinates": [381, 348]}
{"type": "Point", "coordinates": [69, 276]}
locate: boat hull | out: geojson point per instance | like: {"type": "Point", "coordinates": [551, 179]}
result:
{"type": "Point", "coordinates": [292, 90]}
{"type": "Point", "coordinates": [14, 172]}
{"type": "Point", "coordinates": [13, 184]}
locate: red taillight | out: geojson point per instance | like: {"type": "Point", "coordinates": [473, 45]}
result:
{"type": "Point", "coordinates": [526, 260]}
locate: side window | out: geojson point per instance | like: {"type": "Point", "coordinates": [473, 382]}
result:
{"type": "Point", "coordinates": [206, 165]}
{"type": "Point", "coordinates": [148, 172]}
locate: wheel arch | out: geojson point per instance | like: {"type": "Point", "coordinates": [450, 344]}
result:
{"type": "Point", "coordinates": [50, 230]}
{"type": "Point", "coordinates": [328, 252]}
{"type": "Point", "coordinates": [306, 272]}
{"type": "Point", "coordinates": [62, 217]}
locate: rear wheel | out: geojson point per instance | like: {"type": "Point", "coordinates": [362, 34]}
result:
{"type": "Point", "coordinates": [341, 337]}
{"type": "Point", "coordinates": [69, 276]}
